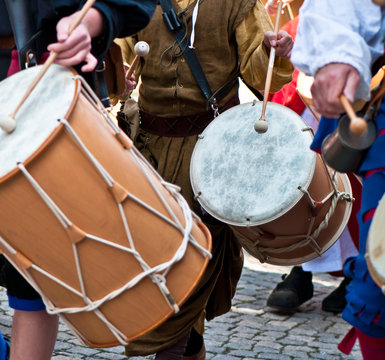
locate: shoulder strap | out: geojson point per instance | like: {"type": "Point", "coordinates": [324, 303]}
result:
{"type": "Point", "coordinates": [175, 26]}
{"type": "Point", "coordinates": [24, 31]}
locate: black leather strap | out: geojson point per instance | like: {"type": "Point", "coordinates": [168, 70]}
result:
{"type": "Point", "coordinates": [175, 26]}
{"type": "Point", "coordinates": [23, 29]}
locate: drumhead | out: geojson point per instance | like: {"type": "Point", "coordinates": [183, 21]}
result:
{"type": "Point", "coordinates": [245, 178]}
{"type": "Point", "coordinates": [375, 246]}
{"type": "Point", "coordinates": [37, 117]}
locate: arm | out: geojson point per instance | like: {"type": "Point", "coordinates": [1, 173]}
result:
{"type": "Point", "coordinates": [351, 46]}
{"type": "Point", "coordinates": [254, 39]}
{"type": "Point", "coordinates": [102, 23]}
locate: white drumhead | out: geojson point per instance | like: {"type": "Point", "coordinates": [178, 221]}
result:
{"type": "Point", "coordinates": [37, 117]}
{"type": "Point", "coordinates": [376, 245]}
{"type": "Point", "coordinates": [245, 178]}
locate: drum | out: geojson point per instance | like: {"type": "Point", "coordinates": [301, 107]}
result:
{"type": "Point", "coordinates": [278, 196]}
{"type": "Point", "coordinates": [304, 83]}
{"type": "Point", "coordinates": [375, 251]}
{"type": "Point", "coordinates": [111, 247]}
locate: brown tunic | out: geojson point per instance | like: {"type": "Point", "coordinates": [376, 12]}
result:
{"type": "Point", "coordinates": [168, 89]}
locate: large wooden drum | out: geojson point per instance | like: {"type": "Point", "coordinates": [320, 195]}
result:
{"type": "Point", "coordinates": [375, 246]}
{"type": "Point", "coordinates": [111, 247]}
{"type": "Point", "coordinates": [284, 204]}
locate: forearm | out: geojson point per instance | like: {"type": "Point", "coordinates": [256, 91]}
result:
{"type": "Point", "coordinates": [253, 54]}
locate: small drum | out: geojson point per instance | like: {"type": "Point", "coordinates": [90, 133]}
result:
{"type": "Point", "coordinates": [304, 83]}
{"type": "Point", "coordinates": [278, 196]}
{"type": "Point", "coordinates": [112, 248]}
{"type": "Point", "coordinates": [375, 246]}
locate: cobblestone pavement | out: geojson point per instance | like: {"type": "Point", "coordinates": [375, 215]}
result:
{"type": "Point", "coordinates": [249, 331]}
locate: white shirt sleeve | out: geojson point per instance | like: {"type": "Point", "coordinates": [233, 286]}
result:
{"type": "Point", "coordinates": [342, 31]}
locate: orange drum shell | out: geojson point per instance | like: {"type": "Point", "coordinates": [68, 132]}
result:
{"type": "Point", "coordinates": [296, 221]}
{"type": "Point", "coordinates": [375, 246]}
{"type": "Point", "coordinates": [69, 178]}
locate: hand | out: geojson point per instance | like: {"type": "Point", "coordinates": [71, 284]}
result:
{"type": "Point", "coordinates": [130, 83]}
{"type": "Point", "coordinates": [271, 6]}
{"type": "Point", "coordinates": [283, 43]}
{"type": "Point", "coordinates": [74, 48]}
{"type": "Point", "coordinates": [329, 83]}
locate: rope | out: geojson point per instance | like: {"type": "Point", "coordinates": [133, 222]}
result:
{"type": "Point", "coordinates": [157, 273]}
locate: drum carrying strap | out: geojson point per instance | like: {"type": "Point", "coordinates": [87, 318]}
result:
{"type": "Point", "coordinates": [171, 19]}
{"type": "Point", "coordinates": [24, 31]}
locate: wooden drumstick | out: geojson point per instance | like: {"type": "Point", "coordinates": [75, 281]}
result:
{"type": "Point", "coordinates": [358, 125]}
{"type": "Point", "coordinates": [141, 50]}
{"type": "Point", "coordinates": [261, 125]}
{"type": "Point", "coordinates": [290, 11]}
{"type": "Point", "coordinates": [8, 123]}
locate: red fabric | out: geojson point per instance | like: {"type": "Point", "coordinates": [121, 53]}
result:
{"type": "Point", "coordinates": [288, 96]}
{"type": "Point", "coordinates": [353, 226]}
{"type": "Point", "coordinates": [371, 348]}
{"type": "Point", "coordinates": [14, 65]}
{"type": "Point", "coordinates": [347, 343]}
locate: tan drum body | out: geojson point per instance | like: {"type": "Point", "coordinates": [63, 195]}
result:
{"type": "Point", "coordinates": [78, 270]}
{"type": "Point", "coordinates": [278, 196]}
{"type": "Point", "coordinates": [282, 234]}
{"type": "Point", "coordinates": [375, 247]}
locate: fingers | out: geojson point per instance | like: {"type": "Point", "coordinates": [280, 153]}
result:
{"type": "Point", "coordinates": [329, 83]}
{"type": "Point", "coordinates": [74, 48]}
{"type": "Point", "coordinates": [283, 42]}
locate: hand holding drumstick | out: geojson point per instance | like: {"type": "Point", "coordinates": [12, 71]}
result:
{"type": "Point", "coordinates": [141, 49]}
{"type": "Point", "coordinates": [280, 43]}
{"type": "Point", "coordinates": [333, 90]}
{"type": "Point", "coordinates": [73, 47]}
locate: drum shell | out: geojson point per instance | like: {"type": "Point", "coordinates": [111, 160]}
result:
{"type": "Point", "coordinates": [297, 221]}
{"type": "Point", "coordinates": [67, 175]}
{"type": "Point", "coordinates": [375, 254]}
{"type": "Point", "coordinates": [263, 185]}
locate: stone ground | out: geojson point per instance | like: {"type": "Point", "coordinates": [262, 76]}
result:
{"type": "Point", "coordinates": [249, 331]}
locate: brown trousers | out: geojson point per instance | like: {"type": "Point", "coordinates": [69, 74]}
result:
{"type": "Point", "coordinates": [170, 156]}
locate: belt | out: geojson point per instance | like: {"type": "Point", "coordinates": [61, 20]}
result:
{"type": "Point", "coordinates": [7, 42]}
{"type": "Point", "coordinates": [181, 126]}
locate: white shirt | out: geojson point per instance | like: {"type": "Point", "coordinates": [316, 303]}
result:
{"type": "Point", "coordinates": [342, 31]}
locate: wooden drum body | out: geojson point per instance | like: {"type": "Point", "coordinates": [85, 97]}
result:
{"type": "Point", "coordinates": [111, 247]}
{"type": "Point", "coordinates": [278, 196]}
{"type": "Point", "coordinates": [375, 247]}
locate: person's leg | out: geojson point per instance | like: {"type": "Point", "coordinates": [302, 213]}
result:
{"type": "Point", "coordinates": [174, 352]}
{"type": "Point", "coordinates": [33, 335]}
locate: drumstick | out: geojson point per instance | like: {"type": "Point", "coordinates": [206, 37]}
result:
{"type": "Point", "coordinates": [141, 50]}
{"type": "Point", "coordinates": [358, 125]}
{"type": "Point", "coordinates": [290, 11]}
{"type": "Point", "coordinates": [261, 125]}
{"type": "Point", "coordinates": [8, 123]}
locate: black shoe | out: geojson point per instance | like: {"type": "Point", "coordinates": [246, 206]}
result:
{"type": "Point", "coordinates": [335, 302]}
{"type": "Point", "coordinates": [294, 290]}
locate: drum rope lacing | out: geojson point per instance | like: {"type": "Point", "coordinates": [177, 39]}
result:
{"type": "Point", "coordinates": [157, 273]}
{"type": "Point", "coordinates": [310, 238]}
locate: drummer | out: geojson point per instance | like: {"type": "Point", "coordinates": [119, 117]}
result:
{"type": "Point", "coordinates": [297, 287]}
{"type": "Point", "coordinates": [340, 55]}
{"type": "Point", "coordinates": [174, 110]}
{"type": "Point", "coordinates": [33, 330]}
